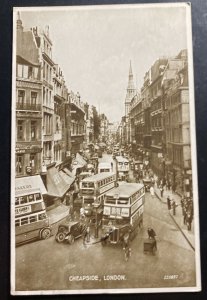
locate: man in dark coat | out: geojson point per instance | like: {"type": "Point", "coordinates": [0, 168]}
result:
{"type": "Point", "coordinates": [152, 235]}
{"type": "Point", "coordinates": [168, 203]}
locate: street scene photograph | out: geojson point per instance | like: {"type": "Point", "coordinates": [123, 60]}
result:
{"type": "Point", "coordinates": [104, 195]}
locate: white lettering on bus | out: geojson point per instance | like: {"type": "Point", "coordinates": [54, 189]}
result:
{"type": "Point", "coordinates": [22, 210]}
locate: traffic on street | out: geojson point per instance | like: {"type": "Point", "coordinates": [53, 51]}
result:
{"type": "Point", "coordinates": [81, 246]}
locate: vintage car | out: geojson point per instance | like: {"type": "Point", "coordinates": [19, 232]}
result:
{"type": "Point", "coordinates": [147, 183]}
{"type": "Point", "coordinates": [70, 231]}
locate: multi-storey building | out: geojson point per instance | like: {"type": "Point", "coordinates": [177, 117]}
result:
{"type": "Point", "coordinates": [145, 95]}
{"type": "Point", "coordinates": [44, 44]}
{"type": "Point", "coordinates": [89, 137]}
{"type": "Point", "coordinates": [77, 122]}
{"type": "Point", "coordinates": [103, 128]}
{"type": "Point", "coordinates": [177, 124]}
{"type": "Point", "coordinates": [28, 104]}
{"type": "Point", "coordinates": [61, 119]}
{"type": "Point", "coordinates": [156, 97]}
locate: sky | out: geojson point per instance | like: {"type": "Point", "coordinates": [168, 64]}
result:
{"type": "Point", "coordinates": [94, 46]}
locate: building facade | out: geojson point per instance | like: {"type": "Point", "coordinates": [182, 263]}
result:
{"type": "Point", "coordinates": [177, 125]}
{"type": "Point", "coordinates": [28, 104]}
{"type": "Point", "coordinates": [78, 126]}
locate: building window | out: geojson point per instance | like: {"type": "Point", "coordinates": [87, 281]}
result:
{"type": "Point", "coordinates": [32, 160]}
{"type": "Point", "coordinates": [33, 130]}
{"type": "Point", "coordinates": [33, 98]}
{"type": "Point", "coordinates": [20, 130]}
{"type": "Point", "coordinates": [21, 97]}
{"type": "Point", "coordinates": [19, 70]}
{"type": "Point", "coordinates": [19, 163]}
{"type": "Point", "coordinates": [25, 72]}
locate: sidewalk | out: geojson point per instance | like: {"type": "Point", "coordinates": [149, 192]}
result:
{"type": "Point", "coordinates": [178, 218]}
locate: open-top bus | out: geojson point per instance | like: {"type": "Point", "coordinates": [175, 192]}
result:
{"type": "Point", "coordinates": [31, 220]}
{"type": "Point", "coordinates": [93, 189]}
{"type": "Point", "coordinates": [123, 212]}
{"type": "Point", "coordinates": [122, 165]}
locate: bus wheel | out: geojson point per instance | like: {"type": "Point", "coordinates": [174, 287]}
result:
{"type": "Point", "coordinates": [71, 239]}
{"type": "Point", "coordinates": [60, 237]}
{"type": "Point", "coordinates": [45, 233]}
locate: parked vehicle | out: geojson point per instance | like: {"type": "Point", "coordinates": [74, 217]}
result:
{"type": "Point", "coordinates": [69, 231]}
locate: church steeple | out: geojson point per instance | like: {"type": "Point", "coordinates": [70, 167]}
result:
{"type": "Point", "coordinates": [19, 22]}
{"type": "Point", "coordinates": [131, 91]}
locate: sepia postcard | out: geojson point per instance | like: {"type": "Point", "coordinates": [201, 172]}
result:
{"type": "Point", "coordinates": [104, 195]}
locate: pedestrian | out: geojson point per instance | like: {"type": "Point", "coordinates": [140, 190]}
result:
{"type": "Point", "coordinates": [88, 234]}
{"type": "Point", "coordinates": [126, 246]}
{"type": "Point", "coordinates": [152, 235]}
{"type": "Point", "coordinates": [174, 207]}
{"type": "Point", "coordinates": [161, 190]}
{"type": "Point", "coordinates": [152, 192]}
{"type": "Point", "coordinates": [182, 201]}
{"type": "Point", "coordinates": [189, 220]}
{"type": "Point", "coordinates": [168, 203]}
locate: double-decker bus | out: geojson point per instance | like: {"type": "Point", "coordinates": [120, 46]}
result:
{"type": "Point", "coordinates": [93, 189]}
{"type": "Point", "coordinates": [123, 211]}
{"type": "Point", "coordinates": [105, 167]}
{"type": "Point", "coordinates": [31, 220]}
{"type": "Point", "coordinates": [122, 166]}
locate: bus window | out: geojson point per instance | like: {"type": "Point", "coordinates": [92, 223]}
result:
{"type": "Point", "coordinates": [24, 221]}
{"type": "Point", "coordinates": [123, 201]}
{"type": "Point", "coordinates": [38, 196]}
{"type": "Point", "coordinates": [91, 185]}
{"type": "Point", "coordinates": [33, 219]}
{"type": "Point", "coordinates": [110, 201]}
{"type": "Point", "coordinates": [42, 216]}
{"type": "Point", "coordinates": [23, 199]}
{"type": "Point", "coordinates": [31, 198]}
{"type": "Point", "coordinates": [84, 184]}
{"type": "Point", "coordinates": [16, 201]}
{"type": "Point", "coordinates": [17, 223]}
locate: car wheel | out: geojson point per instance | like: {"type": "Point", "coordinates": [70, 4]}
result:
{"type": "Point", "coordinates": [71, 239]}
{"type": "Point", "coordinates": [60, 237]}
{"type": "Point", "coordinates": [45, 233]}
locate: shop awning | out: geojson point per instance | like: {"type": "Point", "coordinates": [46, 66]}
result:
{"type": "Point", "coordinates": [78, 163]}
{"type": "Point", "coordinates": [80, 160]}
{"type": "Point", "coordinates": [25, 185]}
{"type": "Point", "coordinates": [67, 178]}
{"type": "Point", "coordinates": [67, 171]}
{"type": "Point", "coordinates": [75, 167]}
{"type": "Point", "coordinates": [57, 184]}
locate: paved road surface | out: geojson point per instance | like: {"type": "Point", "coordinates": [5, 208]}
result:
{"type": "Point", "coordinates": [47, 265]}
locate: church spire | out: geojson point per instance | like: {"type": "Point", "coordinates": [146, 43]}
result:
{"type": "Point", "coordinates": [19, 22]}
{"type": "Point", "coordinates": [131, 91]}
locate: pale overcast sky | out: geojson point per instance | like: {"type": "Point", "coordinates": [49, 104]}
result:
{"type": "Point", "coordinates": [94, 47]}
